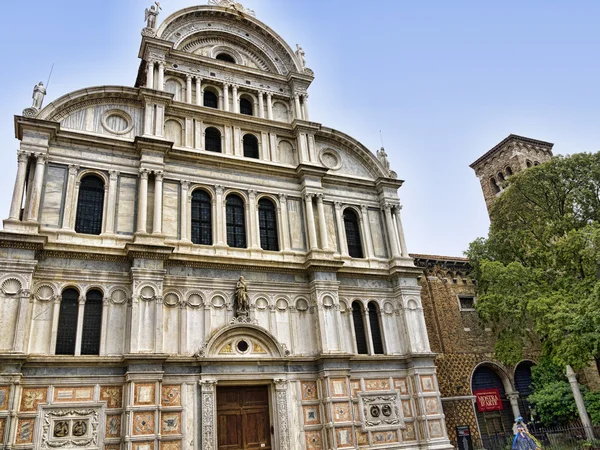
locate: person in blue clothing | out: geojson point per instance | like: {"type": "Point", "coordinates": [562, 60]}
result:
{"type": "Point", "coordinates": [523, 440]}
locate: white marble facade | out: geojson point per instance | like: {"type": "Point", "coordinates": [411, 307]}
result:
{"type": "Point", "coordinates": [169, 336]}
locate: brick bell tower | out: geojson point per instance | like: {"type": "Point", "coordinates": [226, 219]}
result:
{"type": "Point", "coordinates": [511, 155]}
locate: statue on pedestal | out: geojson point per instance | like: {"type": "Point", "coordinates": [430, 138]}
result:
{"type": "Point", "coordinates": [300, 54]}
{"type": "Point", "coordinates": [241, 298]}
{"type": "Point", "coordinates": [150, 16]}
{"type": "Point", "coordinates": [39, 92]}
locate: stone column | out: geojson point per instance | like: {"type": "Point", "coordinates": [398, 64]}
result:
{"type": "Point", "coordinates": [261, 105]}
{"type": "Point", "coordinates": [159, 121]}
{"type": "Point", "coordinates": [273, 145]}
{"type": "Point", "coordinates": [400, 229]}
{"type": "Point", "coordinates": [161, 76]}
{"type": "Point", "coordinates": [134, 330]}
{"type": "Point", "coordinates": [367, 231]}
{"type": "Point", "coordinates": [55, 314]}
{"type": "Point", "coordinates": [78, 336]}
{"type": "Point", "coordinates": [209, 415]}
{"type": "Point", "coordinates": [199, 91]}
{"type": "Point", "coordinates": [150, 74]}
{"type": "Point", "coordinates": [297, 108]}
{"type": "Point", "coordinates": [310, 219]}
{"type": "Point", "coordinates": [226, 97]}
{"type": "Point", "coordinates": [281, 390]}
{"type": "Point", "coordinates": [142, 201]}
{"type": "Point", "coordinates": [220, 225]}
{"type": "Point", "coordinates": [236, 100]}
{"type": "Point", "coordinates": [269, 106]}
{"type": "Point", "coordinates": [391, 230]}
{"type": "Point", "coordinates": [19, 189]}
{"type": "Point", "coordinates": [158, 325]}
{"type": "Point", "coordinates": [111, 205]}
{"type": "Point", "coordinates": [284, 222]}
{"type": "Point", "coordinates": [305, 106]}
{"type": "Point", "coordinates": [188, 89]}
{"type": "Point", "coordinates": [312, 153]}
{"type": "Point", "coordinates": [252, 220]}
{"type": "Point", "coordinates": [302, 149]}
{"type": "Point", "coordinates": [322, 223]}
{"type": "Point", "coordinates": [104, 325]}
{"type": "Point", "coordinates": [148, 122]}
{"type": "Point", "coordinates": [583, 415]}
{"type": "Point", "coordinates": [70, 200]}
{"type": "Point", "coordinates": [38, 183]}
{"type": "Point", "coordinates": [513, 397]}
{"type": "Point", "coordinates": [158, 199]}
{"type": "Point", "coordinates": [183, 205]}
{"type": "Point", "coordinates": [183, 328]}
{"type": "Point", "coordinates": [339, 221]}
{"type": "Point", "coordinates": [364, 311]}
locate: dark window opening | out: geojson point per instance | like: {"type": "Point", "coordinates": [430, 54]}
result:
{"type": "Point", "coordinates": [509, 171]}
{"type": "Point", "coordinates": [212, 140]}
{"type": "Point", "coordinates": [90, 205]}
{"type": "Point", "coordinates": [225, 57]}
{"type": "Point", "coordinates": [250, 146]}
{"type": "Point", "coordinates": [359, 329]}
{"type": "Point", "coordinates": [92, 323]}
{"type": "Point", "coordinates": [375, 328]}
{"type": "Point", "coordinates": [537, 163]}
{"type": "Point", "coordinates": [352, 234]}
{"type": "Point", "coordinates": [500, 177]}
{"type": "Point", "coordinates": [494, 185]}
{"type": "Point", "coordinates": [246, 107]}
{"type": "Point", "coordinates": [236, 222]}
{"type": "Point", "coordinates": [210, 99]}
{"type": "Point", "coordinates": [528, 163]}
{"type": "Point", "coordinates": [67, 322]}
{"type": "Point", "coordinates": [201, 218]}
{"type": "Point", "coordinates": [467, 302]}
{"type": "Point", "coordinates": [267, 220]}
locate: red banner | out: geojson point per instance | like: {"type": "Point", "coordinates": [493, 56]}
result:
{"type": "Point", "coordinates": [488, 400]}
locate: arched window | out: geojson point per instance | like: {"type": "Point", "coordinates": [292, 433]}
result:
{"type": "Point", "coordinates": [90, 205]}
{"type": "Point", "coordinates": [212, 140]}
{"type": "Point", "coordinates": [250, 146]}
{"type": "Point", "coordinates": [523, 384]}
{"type": "Point", "coordinates": [509, 171]}
{"type": "Point", "coordinates": [67, 322]}
{"type": "Point", "coordinates": [201, 218]}
{"type": "Point", "coordinates": [494, 185]}
{"type": "Point", "coordinates": [491, 423]}
{"type": "Point", "coordinates": [225, 57]}
{"type": "Point", "coordinates": [236, 222]}
{"type": "Point", "coordinates": [528, 163]}
{"type": "Point", "coordinates": [500, 177]}
{"type": "Point", "coordinates": [537, 163]}
{"type": "Point", "coordinates": [210, 99]}
{"type": "Point", "coordinates": [375, 328]}
{"type": "Point", "coordinates": [92, 323]}
{"type": "Point", "coordinates": [352, 234]}
{"type": "Point", "coordinates": [246, 107]}
{"type": "Point", "coordinates": [359, 328]}
{"type": "Point", "coordinates": [267, 222]}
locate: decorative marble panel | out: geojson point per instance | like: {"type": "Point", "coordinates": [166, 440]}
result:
{"type": "Point", "coordinates": [171, 395]}
{"type": "Point", "coordinates": [126, 204]}
{"type": "Point", "coordinates": [2, 426]}
{"type": "Point", "coordinates": [143, 423]}
{"type": "Point", "coordinates": [341, 412]}
{"type": "Point", "coordinates": [145, 445]}
{"type": "Point", "coordinates": [25, 431]}
{"type": "Point", "coordinates": [431, 406]}
{"type": "Point", "coordinates": [309, 390]}
{"type": "Point", "coordinates": [313, 440]}
{"type": "Point", "coordinates": [113, 426]}
{"type": "Point", "coordinates": [31, 398]}
{"type": "Point", "coordinates": [384, 437]}
{"type": "Point", "coordinates": [73, 394]}
{"type": "Point", "coordinates": [311, 415]}
{"type": "Point", "coordinates": [362, 439]}
{"type": "Point", "coordinates": [355, 388]}
{"type": "Point", "coordinates": [112, 447]}
{"type": "Point", "coordinates": [143, 394]}
{"type": "Point", "coordinates": [296, 224]}
{"type": "Point", "coordinates": [409, 434]}
{"type": "Point", "coordinates": [53, 195]}
{"type": "Point", "coordinates": [343, 437]}
{"type": "Point", "coordinates": [427, 383]}
{"type": "Point", "coordinates": [407, 408]}
{"type": "Point", "coordinates": [170, 445]}
{"type": "Point", "coordinates": [113, 395]}
{"type": "Point", "coordinates": [401, 385]}
{"type": "Point", "coordinates": [171, 423]}
{"type": "Point", "coordinates": [377, 385]}
{"type": "Point", "coordinates": [338, 387]}
{"type": "Point", "coordinates": [170, 209]}
{"type": "Point", "coordinates": [71, 427]}
{"type": "Point", "coordinates": [4, 393]}
{"type": "Point", "coordinates": [435, 429]}
{"type": "Point", "coordinates": [377, 233]}
{"type": "Point", "coordinates": [380, 411]}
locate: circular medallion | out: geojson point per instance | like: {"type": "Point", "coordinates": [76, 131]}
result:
{"type": "Point", "coordinates": [117, 121]}
{"type": "Point", "coordinates": [330, 158]}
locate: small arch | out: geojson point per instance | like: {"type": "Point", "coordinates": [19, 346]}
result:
{"type": "Point", "coordinates": [494, 185]}
{"type": "Point", "coordinates": [528, 163]}
{"type": "Point", "coordinates": [509, 172]}
{"type": "Point", "coordinates": [267, 221]}
{"type": "Point", "coordinates": [201, 217]}
{"type": "Point", "coordinates": [523, 381]}
{"type": "Point", "coordinates": [90, 205]}
{"type": "Point", "coordinates": [281, 112]}
{"type": "Point", "coordinates": [174, 131]}
{"type": "Point", "coordinates": [250, 143]}
{"type": "Point", "coordinates": [175, 87]}
{"type": "Point", "coordinates": [212, 140]}
{"type": "Point", "coordinates": [376, 337]}
{"type": "Point", "coordinates": [92, 322]}
{"type": "Point", "coordinates": [246, 106]}
{"type": "Point", "coordinates": [536, 163]}
{"type": "Point", "coordinates": [225, 57]}
{"type": "Point", "coordinates": [352, 233]}
{"type": "Point", "coordinates": [235, 221]}
{"type": "Point", "coordinates": [359, 328]}
{"type": "Point", "coordinates": [500, 177]}
{"type": "Point", "coordinates": [270, 345]}
{"type": "Point", "coordinates": [67, 322]}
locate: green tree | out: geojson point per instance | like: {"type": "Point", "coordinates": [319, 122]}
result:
{"type": "Point", "coordinates": [537, 272]}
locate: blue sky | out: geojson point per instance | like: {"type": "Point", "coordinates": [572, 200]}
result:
{"type": "Point", "coordinates": [444, 81]}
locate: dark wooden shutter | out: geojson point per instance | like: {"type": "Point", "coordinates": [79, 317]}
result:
{"type": "Point", "coordinates": [67, 322]}
{"type": "Point", "coordinates": [92, 323]}
{"type": "Point", "coordinates": [201, 218]}
{"type": "Point", "coordinates": [236, 222]}
{"type": "Point", "coordinates": [90, 205]}
{"type": "Point", "coordinates": [359, 329]}
{"type": "Point", "coordinates": [267, 220]}
{"type": "Point", "coordinates": [352, 234]}
{"type": "Point", "coordinates": [375, 328]}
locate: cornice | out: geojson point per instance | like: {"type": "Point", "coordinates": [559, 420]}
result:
{"type": "Point", "coordinates": [148, 251]}
{"type": "Point", "coordinates": [22, 241]}
{"type": "Point", "coordinates": [38, 125]}
{"type": "Point", "coordinates": [511, 137]}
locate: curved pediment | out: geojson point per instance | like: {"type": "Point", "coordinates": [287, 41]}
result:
{"type": "Point", "coordinates": [243, 341]}
{"type": "Point", "coordinates": [201, 29]}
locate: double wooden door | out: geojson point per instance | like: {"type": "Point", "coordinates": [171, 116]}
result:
{"type": "Point", "coordinates": [243, 418]}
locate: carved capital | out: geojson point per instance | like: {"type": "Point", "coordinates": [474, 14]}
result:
{"type": "Point", "coordinates": [144, 174]}
{"type": "Point", "coordinates": [387, 207]}
{"type": "Point", "coordinates": [41, 158]}
{"type": "Point", "coordinates": [363, 209]}
{"type": "Point", "coordinates": [308, 197]}
{"type": "Point", "coordinates": [251, 193]}
{"type": "Point", "coordinates": [219, 189]}
{"type": "Point", "coordinates": [282, 198]}
{"type": "Point", "coordinates": [82, 300]}
{"type": "Point", "coordinates": [158, 175]}
{"type": "Point", "coordinates": [338, 205]}
{"type": "Point", "coordinates": [22, 156]}
{"type": "Point", "coordinates": [207, 385]}
{"type": "Point", "coordinates": [281, 384]}
{"type": "Point", "coordinates": [113, 174]}
{"type": "Point", "coordinates": [185, 185]}
{"type": "Point", "coordinates": [73, 169]}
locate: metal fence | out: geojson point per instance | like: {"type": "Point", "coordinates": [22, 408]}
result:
{"type": "Point", "coordinates": [557, 438]}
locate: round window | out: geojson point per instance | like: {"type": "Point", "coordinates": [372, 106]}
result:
{"type": "Point", "coordinates": [242, 346]}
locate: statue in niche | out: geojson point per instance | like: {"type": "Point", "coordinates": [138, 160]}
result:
{"type": "Point", "coordinates": [39, 92]}
{"type": "Point", "coordinates": [150, 16]}
{"type": "Point", "coordinates": [383, 159]}
{"type": "Point", "coordinates": [241, 297]}
{"type": "Point", "coordinates": [300, 54]}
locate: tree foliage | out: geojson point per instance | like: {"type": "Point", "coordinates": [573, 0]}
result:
{"type": "Point", "coordinates": [537, 271]}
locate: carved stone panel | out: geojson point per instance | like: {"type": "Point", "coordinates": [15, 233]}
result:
{"type": "Point", "coordinates": [380, 410]}
{"type": "Point", "coordinates": [71, 426]}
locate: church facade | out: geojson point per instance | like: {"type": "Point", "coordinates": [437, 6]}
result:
{"type": "Point", "coordinates": [191, 263]}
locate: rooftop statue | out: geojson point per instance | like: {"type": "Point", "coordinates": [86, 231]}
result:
{"type": "Point", "coordinates": [150, 15]}
{"type": "Point", "coordinates": [300, 54]}
{"type": "Point", "coordinates": [39, 92]}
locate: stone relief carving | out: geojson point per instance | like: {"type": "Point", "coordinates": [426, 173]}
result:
{"type": "Point", "coordinates": [282, 414]}
{"type": "Point", "coordinates": [241, 298]}
{"type": "Point", "coordinates": [233, 5]}
{"type": "Point", "coordinates": [380, 410]}
{"type": "Point", "coordinates": [70, 427]}
{"type": "Point", "coordinates": [208, 411]}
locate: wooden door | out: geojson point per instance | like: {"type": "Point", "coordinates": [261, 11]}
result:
{"type": "Point", "coordinates": [243, 418]}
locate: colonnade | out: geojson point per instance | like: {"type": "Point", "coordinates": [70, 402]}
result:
{"type": "Point", "coordinates": [34, 186]}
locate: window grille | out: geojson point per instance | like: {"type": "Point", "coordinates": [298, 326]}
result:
{"type": "Point", "coordinates": [250, 146]}
{"type": "Point", "coordinates": [236, 222]}
{"type": "Point", "coordinates": [92, 323]}
{"type": "Point", "coordinates": [210, 99]}
{"type": "Point", "coordinates": [359, 329]}
{"type": "Point", "coordinates": [375, 328]}
{"type": "Point", "coordinates": [267, 221]}
{"type": "Point", "coordinates": [90, 205]}
{"type": "Point", "coordinates": [201, 218]}
{"type": "Point", "coordinates": [212, 140]}
{"type": "Point", "coordinates": [246, 107]}
{"type": "Point", "coordinates": [352, 234]}
{"type": "Point", "coordinates": [67, 322]}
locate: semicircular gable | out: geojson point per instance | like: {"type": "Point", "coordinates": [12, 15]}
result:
{"type": "Point", "coordinates": [187, 25]}
{"type": "Point", "coordinates": [244, 340]}
{"type": "Point", "coordinates": [344, 155]}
